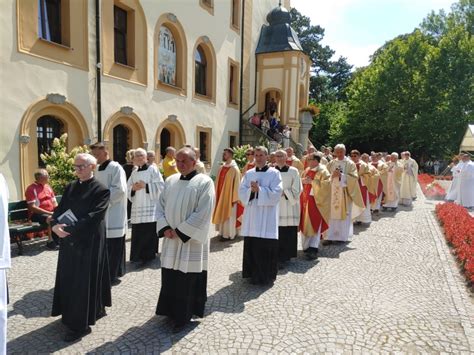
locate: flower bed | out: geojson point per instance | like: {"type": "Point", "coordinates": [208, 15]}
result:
{"type": "Point", "coordinates": [459, 232]}
{"type": "Point", "coordinates": [431, 189]}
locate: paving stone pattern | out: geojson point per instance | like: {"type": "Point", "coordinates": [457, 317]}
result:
{"type": "Point", "coordinates": [394, 289]}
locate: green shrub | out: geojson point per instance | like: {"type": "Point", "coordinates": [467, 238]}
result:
{"type": "Point", "coordinates": [239, 155]}
{"type": "Point", "coordinates": [59, 163]}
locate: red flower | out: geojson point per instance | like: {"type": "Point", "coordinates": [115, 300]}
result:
{"type": "Point", "coordinates": [459, 232]}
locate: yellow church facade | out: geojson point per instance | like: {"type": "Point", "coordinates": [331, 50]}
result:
{"type": "Point", "coordinates": [136, 73]}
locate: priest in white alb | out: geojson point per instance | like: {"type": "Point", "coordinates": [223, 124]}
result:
{"type": "Point", "coordinates": [260, 193]}
{"type": "Point", "coordinates": [346, 198]}
{"type": "Point", "coordinates": [465, 196]}
{"type": "Point", "coordinates": [382, 168]}
{"type": "Point", "coordinates": [289, 209]}
{"type": "Point", "coordinates": [409, 179]}
{"type": "Point", "coordinates": [455, 166]}
{"type": "Point", "coordinates": [5, 262]}
{"type": "Point", "coordinates": [184, 220]}
{"type": "Point", "coordinates": [364, 173]}
{"type": "Point", "coordinates": [393, 182]}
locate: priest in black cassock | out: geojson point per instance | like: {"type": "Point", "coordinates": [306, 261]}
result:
{"type": "Point", "coordinates": [82, 288]}
{"type": "Point", "coordinates": [184, 219]}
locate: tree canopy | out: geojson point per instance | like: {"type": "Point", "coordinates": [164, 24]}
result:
{"type": "Point", "coordinates": [417, 93]}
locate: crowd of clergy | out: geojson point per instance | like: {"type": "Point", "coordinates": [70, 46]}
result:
{"type": "Point", "coordinates": [274, 201]}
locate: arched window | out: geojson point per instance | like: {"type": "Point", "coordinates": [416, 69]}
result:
{"type": "Point", "coordinates": [121, 142]}
{"type": "Point", "coordinates": [47, 128]}
{"type": "Point", "coordinates": [200, 71]}
{"type": "Point", "coordinates": [167, 57]}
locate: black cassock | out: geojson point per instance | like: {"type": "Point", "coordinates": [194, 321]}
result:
{"type": "Point", "coordinates": [82, 289]}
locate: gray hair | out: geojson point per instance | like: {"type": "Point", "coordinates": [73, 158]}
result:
{"type": "Point", "coordinates": [340, 146]}
{"type": "Point", "coordinates": [40, 173]}
{"type": "Point", "coordinates": [150, 152]}
{"type": "Point", "coordinates": [170, 149]}
{"type": "Point", "coordinates": [261, 148]}
{"type": "Point", "coordinates": [88, 158]}
{"type": "Point", "coordinates": [281, 151]}
{"type": "Point", "coordinates": [139, 152]}
{"type": "Point", "coordinates": [188, 151]}
{"type": "Point", "coordinates": [394, 154]}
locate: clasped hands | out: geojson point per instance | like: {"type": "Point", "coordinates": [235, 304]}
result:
{"type": "Point", "coordinates": [336, 174]}
{"type": "Point", "coordinates": [254, 186]}
{"type": "Point", "coordinates": [307, 180]}
{"type": "Point", "coordinates": [138, 185]}
{"type": "Point", "coordinates": [170, 233]}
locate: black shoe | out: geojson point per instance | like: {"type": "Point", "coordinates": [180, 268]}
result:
{"type": "Point", "coordinates": [76, 335]}
{"type": "Point", "coordinates": [179, 326]}
{"type": "Point", "coordinates": [357, 223]}
{"type": "Point", "coordinates": [393, 209]}
{"type": "Point", "coordinates": [51, 245]}
{"type": "Point", "coordinates": [376, 211]}
{"type": "Point", "coordinates": [312, 254]}
{"type": "Point", "coordinates": [115, 282]}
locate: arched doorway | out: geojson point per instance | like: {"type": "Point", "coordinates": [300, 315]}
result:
{"type": "Point", "coordinates": [123, 132]}
{"type": "Point", "coordinates": [121, 142]}
{"type": "Point", "coordinates": [165, 141]}
{"type": "Point", "coordinates": [47, 128]}
{"type": "Point", "coordinates": [170, 133]}
{"type": "Point", "coordinates": [41, 123]}
{"type": "Point", "coordinates": [271, 100]}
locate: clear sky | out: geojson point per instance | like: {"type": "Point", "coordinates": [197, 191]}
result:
{"type": "Point", "coordinates": [356, 28]}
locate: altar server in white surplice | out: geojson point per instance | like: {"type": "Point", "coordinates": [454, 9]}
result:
{"type": "Point", "coordinates": [346, 198]}
{"type": "Point", "coordinates": [144, 188]}
{"type": "Point", "coordinates": [465, 196]}
{"type": "Point", "coordinates": [289, 209]}
{"type": "Point", "coordinates": [4, 262]}
{"type": "Point", "coordinates": [111, 175]}
{"type": "Point", "coordinates": [260, 193]}
{"type": "Point", "coordinates": [184, 220]}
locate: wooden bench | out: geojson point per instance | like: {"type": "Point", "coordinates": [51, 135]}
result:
{"type": "Point", "coordinates": [19, 223]}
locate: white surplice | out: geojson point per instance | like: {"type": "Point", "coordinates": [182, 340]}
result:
{"type": "Point", "coordinates": [112, 175]}
{"type": "Point", "coordinates": [186, 205]}
{"type": "Point", "coordinates": [465, 196]}
{"type": "Point", "coordinates": [5, 262]}
{"type": "Point", "coordinates": [144, 201]}
{"type": "Point", "coordinates": [261, 214]}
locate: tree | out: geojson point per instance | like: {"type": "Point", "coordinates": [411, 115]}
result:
{"type": "Point", "coordinates": [417, 93]}
{"type": "Point", "coordinates": [329, 78]}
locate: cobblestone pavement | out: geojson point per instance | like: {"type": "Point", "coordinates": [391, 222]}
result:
{"type": "Point", "coordinates": [394, 288]}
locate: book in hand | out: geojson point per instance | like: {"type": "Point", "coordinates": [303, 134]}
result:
{"type": "Point", "coordinates": [68, 218]}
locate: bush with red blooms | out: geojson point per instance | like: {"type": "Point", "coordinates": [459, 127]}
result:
{"type": "Point", "coordinates": [431, 189]}
{"type": "Point", "coordinates": [459, 232]}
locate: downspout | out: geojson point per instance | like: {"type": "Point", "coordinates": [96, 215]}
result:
{"type": "Point", "coordinates": [241, 89]}
{"type": "Point", "coordinates": [98, 67]}
{"type": "Point", "coordinates": [241, 112]}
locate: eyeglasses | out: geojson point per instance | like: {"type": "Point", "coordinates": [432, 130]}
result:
{"type": "Point", "coordinates": [248, 153]}
{"type": "Point", "coordinates": [80, 167]}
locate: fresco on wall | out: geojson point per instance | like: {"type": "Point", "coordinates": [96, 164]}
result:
{"type": "Point", "coordinates": [167, 57]}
